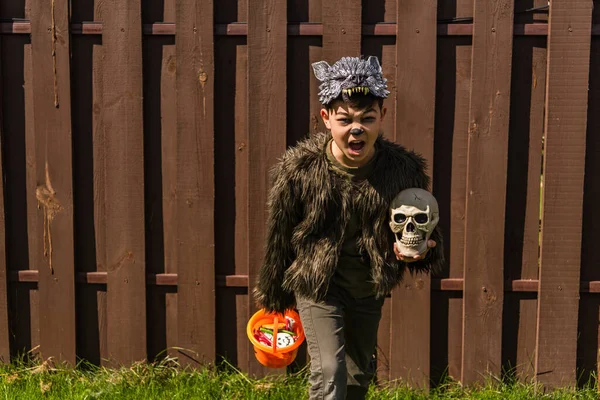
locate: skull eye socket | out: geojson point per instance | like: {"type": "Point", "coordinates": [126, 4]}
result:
{"type": "Point", "coordinates": [399, 218]}
{"type": "Point", "coordinates": [421, 218]}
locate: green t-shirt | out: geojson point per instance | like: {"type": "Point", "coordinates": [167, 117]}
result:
{"type": "Point", "coordinates": [353, 272]}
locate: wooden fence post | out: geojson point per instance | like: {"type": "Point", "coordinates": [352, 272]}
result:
{"type": "Point", "coordinates": [416, 44]}
{"type": "Point", "coordinates": [486, 190]}
{"type": "Point", "coordinates": [124, 172]}
{"type": "Point", "coordinates": [50, 36]}
{"type": "Point", "coordinates": [195, 182]}
{"type": "Point", "coordinates": [569, 35]}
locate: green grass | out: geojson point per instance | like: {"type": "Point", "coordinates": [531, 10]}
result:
{"type": "Point", "coordinates": [165, 380]}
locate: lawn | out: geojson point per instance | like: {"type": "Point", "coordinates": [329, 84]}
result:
{"type": "Point", "coordinates": [165, 381]}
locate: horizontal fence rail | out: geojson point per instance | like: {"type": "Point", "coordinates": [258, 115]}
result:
{"type": "Point", "coordinates": [302, 29]}
{"type": "Point", "coordinates": [241, 281]}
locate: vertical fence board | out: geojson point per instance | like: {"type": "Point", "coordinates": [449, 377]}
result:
{"type": "Point", "coordinates": [449, 186]}
{"type": "Point", "coordinates": [4, 324]}
{"type": "Point", "coordinates": [84, 113]}
{"type": "Point", "coordinates": [35, 225]}
{"type": "Point", "coordinates": [100, 199]}
{"type": "Point", "coordinates": [569, 38]}
{"type": "Point", "coordinates": [486, 189]}
{"type": "Point", "coordinates": [267, 46]}
{"type": "Point", "coordinates": [52, 100]}
{"type": "Point", "coordinates": [231, 193]}
{"type": "Point", "coordinates": [124, 178]}
{"type": "Point", "coordinates": [168, 118]}
{"type": "Point", "coordinates": [523, 203]}
{"type": "Point", "coordinates": [342, 24]}
{"type": "Point", "coordinates": [415, 110]}
{"type": "Point", "coordinates": [195, 185]}
{"type": "Point", "coordinates": [241, 193]}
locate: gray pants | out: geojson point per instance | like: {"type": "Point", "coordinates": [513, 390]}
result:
{"type": "Point", "coordinates": [341, 333]}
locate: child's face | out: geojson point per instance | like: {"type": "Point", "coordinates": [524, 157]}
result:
{"type": "Point", "coordinates": [354, 131]}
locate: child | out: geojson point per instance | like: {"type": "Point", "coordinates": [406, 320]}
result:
{"type": "Point", "coordinates": [330, 250]}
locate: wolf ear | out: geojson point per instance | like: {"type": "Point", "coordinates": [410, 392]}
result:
{"type": "Point", "coordinates": [374, 63]}
{"type": "Point", "coordinates": [321, 70]}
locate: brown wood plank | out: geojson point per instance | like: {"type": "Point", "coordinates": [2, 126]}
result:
{"type": "Point", "coordinates": [564, 165]}
{"type": "Point", "coordinates": [195, 185]}
{"type": "Point", "coordinates": [341, 29]}
{"type": "Point", "coordinates": [99, 192]}
{"type": "Point", "coordinates": [84, 113]}
{"type": "Point", "coordinates": [486, 190]}
{"type": "Point", "coordinates": [523, 202]}
{"type": "Point", "coordinates": [52, 103]}
{"type": "Point", "coordinates": [4, 324]}
{"type": "Point", "coordinates": [241, 159]}
{"type": "Point", "coordinates": [415, 104]}
{"type": "Point", "coordinates": [168, 149]}
{"type": "Point", "coordinates": [451, 124]}
{"type": "Point", "coordinates": [124, 182]}
{"type": "Point", "coordinates": [231, 190]}
{"type": "Point", "coordinates": [34, 257]}
{"type": "Point", "coordinates": [267, 49]}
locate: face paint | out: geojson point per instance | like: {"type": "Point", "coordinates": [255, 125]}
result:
{"type": "Point", "coordinates": [357, 131]}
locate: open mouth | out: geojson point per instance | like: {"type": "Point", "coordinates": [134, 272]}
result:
{"type": "Point", "coordinates": [356, 146]}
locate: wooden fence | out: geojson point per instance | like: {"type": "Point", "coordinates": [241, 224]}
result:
{"type": "Point", "coordinates": [136, 141]}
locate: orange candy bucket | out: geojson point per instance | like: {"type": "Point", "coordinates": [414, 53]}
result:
{"type": "Point", "coordinates": [273, 356]}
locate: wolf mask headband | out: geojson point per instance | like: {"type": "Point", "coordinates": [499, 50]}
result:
{"type": "Point", "coordinates": [348, 76]}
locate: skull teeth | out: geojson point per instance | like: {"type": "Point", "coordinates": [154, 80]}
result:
{"type": "Point", "coordinates": [411, 241]}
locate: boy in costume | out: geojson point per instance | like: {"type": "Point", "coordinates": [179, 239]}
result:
{"type": "Point", "coordinates": [330, 251]}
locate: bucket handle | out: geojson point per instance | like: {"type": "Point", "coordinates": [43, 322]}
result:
{"type": "Point", "coordinates": [276, 322]}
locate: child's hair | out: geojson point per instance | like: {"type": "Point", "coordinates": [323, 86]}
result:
{"type": "Point", "coordinates": [358, 101]}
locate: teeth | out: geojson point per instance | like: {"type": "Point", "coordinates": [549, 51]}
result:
{"type": "Point", "coordinates": [411, 240]}
{"type": "Point", "coordinates": [362, 89]}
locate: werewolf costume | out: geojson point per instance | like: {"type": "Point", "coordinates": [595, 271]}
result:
{"type": "Point", "coordinates": [309, 207]}
{"type": "Point", "coordinates": [312, 202]}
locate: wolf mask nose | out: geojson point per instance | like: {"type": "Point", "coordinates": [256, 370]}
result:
{"type": "Point", "coordinates": [357, 131]}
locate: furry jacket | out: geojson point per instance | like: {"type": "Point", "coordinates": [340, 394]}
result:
{"type": "Point", "coordinates": [309, 205]}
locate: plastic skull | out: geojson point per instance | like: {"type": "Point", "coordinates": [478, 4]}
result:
{"type": "Point", "coordinates": [414, 215]}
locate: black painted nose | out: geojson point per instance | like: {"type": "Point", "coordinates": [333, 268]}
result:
{"type": "Point", "coordinates": [357, 131]}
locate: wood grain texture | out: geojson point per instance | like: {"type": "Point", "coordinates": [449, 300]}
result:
{"type": "Point", "coordinates": [416, 44]}
{"type": "Point", "coordinates": [195, 182]}
{"type": "Point", "coordinates": [564, 165]}
{"type": "Point", "coordinates": [4, 336]}
{"type": "Point", "coordinates": [486, 190]}
{"type": "Point", "coordinates": [267, 71]}
{"type": "Point", "coordinates": [52, 100]}
{"type": "Point", "coordinates": [341, 29]}
{"type": "Point", "coordinates": [124, 180]}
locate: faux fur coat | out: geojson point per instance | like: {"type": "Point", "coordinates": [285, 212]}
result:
{"type": "Point", "coordinates": [309, 206]}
